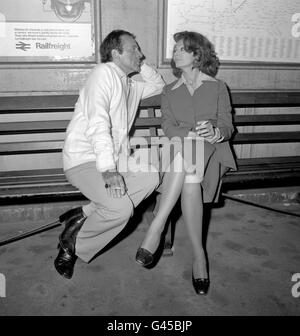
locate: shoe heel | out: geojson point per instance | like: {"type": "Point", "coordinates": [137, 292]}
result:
{"type": "Point", "coordinates": [62, 218]}
{"type": "Point", "coordinates": [201, 285]}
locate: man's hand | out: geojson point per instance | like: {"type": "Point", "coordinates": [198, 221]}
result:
{"type": "Point", "coordinates": [114, 183]}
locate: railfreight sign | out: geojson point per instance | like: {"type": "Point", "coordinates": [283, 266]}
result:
{"type": "Point", "coordinates": [47, 31]}
{"type": "Point", "coordinates": [56, 40]}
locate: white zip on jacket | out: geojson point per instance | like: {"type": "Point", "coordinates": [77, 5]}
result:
{"type": "Point", "coordinates": [103, 115]}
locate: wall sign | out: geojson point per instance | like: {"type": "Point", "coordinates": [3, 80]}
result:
{"type": "Point", "coordinates": [47, 31]}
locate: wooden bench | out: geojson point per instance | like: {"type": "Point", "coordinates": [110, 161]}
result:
{"type": "Point", "coordinates": [34, 125]}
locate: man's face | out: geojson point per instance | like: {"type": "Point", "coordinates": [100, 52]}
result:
{"type": "Point", "coordinates": [130, 59]}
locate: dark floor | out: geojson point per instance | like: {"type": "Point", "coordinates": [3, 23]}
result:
{"type": "Point", "coordinates": [253, 254]}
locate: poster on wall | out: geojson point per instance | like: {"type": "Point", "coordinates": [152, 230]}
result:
{"type": "Point", "coordinates": [47, 31]}
{"type": "Point", "coordinates": [241, 30]}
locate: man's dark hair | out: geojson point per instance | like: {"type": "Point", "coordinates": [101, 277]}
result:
{"type": "Point", "coordinates": [112, 41]}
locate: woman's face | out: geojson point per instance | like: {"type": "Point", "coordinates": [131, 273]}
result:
{"type": "Point", "coordinates": [182, 58]}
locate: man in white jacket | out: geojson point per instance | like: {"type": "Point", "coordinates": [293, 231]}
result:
{"type": "Point", "coordinates": [96, 140]}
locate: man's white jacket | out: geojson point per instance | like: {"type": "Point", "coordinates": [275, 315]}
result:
{"type": "Point", "coordinates": [104, 114]}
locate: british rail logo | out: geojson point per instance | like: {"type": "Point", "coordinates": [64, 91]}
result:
{"type": "Point", "coordinates": [23, 46]}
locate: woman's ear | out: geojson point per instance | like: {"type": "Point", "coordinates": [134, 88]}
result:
{"type": "Point", "coordinates": [198, 61]}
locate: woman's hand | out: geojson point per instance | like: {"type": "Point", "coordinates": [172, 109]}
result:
{"type": "Point", "coordinates": [205, 129]}
{"type": "Point", "coordinates": [208, 132]}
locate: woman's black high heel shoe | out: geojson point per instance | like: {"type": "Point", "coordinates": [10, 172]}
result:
{"type": "Point", "coordinates": [144, 257]}
{"type": "Point", "coordinates": [201, 285]}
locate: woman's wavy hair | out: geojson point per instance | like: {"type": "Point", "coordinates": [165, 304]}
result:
{"type": "Point", "coordinates": [112, 41]}
{"type": "Point", "coordinates": [206, 61]}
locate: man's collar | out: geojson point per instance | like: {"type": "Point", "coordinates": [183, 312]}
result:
{"type": "Point", "coordinates": [201, 77]}
{"type": "Point", "coordinates": [119, 71]}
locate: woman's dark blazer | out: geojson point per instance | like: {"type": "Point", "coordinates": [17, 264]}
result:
{"type": "Point", "coordinates": [181, 111]}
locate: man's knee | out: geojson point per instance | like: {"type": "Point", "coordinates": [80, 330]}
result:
{"type": "Point", "coordinates": [118, 210]}
{"type": "Point", "coordinates": [124, 212]}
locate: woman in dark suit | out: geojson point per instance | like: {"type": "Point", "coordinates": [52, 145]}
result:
{"type": "Point", "coordinates": [195, 107]}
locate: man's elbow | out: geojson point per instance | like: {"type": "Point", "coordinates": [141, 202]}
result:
{"type": "Point", "coordinates": [160, 86]}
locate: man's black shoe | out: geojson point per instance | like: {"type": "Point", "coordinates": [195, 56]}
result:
{"type": "Point", "coordinates": [64, 263]}
{"type": "Point", "coordinates": [67, 239]}
{"type": "Point", "coordinates": [66, 258]}
{"type": "Point", "coordinates": [66, 217]}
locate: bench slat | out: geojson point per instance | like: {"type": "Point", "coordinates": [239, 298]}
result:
{"type": "Point", "coordinates": [52, 126]}
{"type": "Point", "coordinates": [29, 127]}
{"type": "Point", "coordinates": [31, 147]}
{"type": "Point", "coordinates": [266, 119]}
{"type": "Point", "coordinates": [246, 98]}
{"type": "Point", "coordinates": [32, 172]}
{"type": "Point", "coordinates": [38, 103]}
{"type": "Point", "coordinates": [269, 160]}
{"type": "Point", "coordinates": [240, 98]}
{"type": "Point", "coordinates": [13, 148]}
{"type": "Point", "coordinates": [265, 137]}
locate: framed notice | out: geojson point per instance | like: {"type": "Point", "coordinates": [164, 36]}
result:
{"type": "Point", "coordinates": [243, 31]}
{"type": "Point", "coordinates": [48, 31]}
